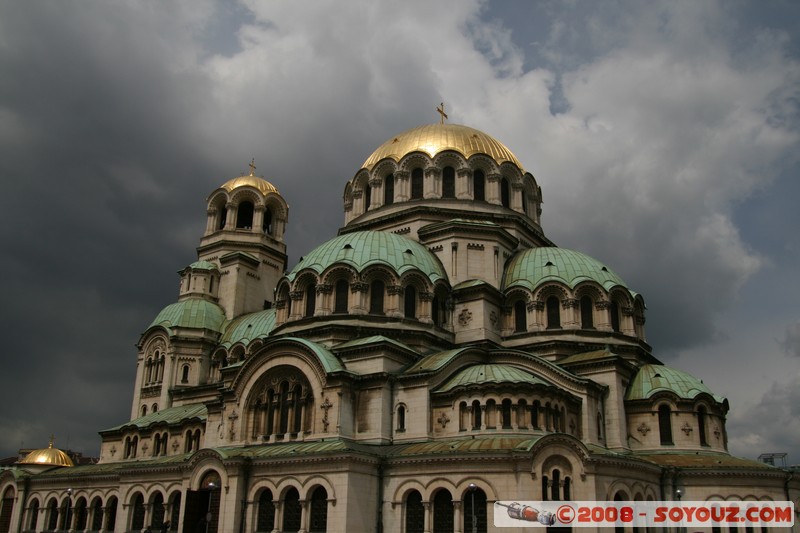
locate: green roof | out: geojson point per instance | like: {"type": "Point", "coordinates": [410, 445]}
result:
{"type": "Point", "coordinates": [652, 379]}
{"type": "Point", "coordinates": [329, 361]}
{"type": "Point", "coordinates": [362, 249]}
{"type": "Point", "coordinates": [248, 327]}
{"type": "Point", "coordinates": [191, 313]}
{"type": "Point", "coordinates": [203, 265]}
{"type": "Point", "coordinates": [535, 266]}
{"type": "Point", "coordinates": [489, 374]}
{"type": "Point", "coordinates": [434, 361]}
{"type": "Point", "coordinates": [170, 416]}
{"type": "Point", "coordinates": [369, 341]}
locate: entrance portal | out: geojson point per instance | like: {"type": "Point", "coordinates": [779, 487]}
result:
{"type": "Point", "coordinates": [202, 506]}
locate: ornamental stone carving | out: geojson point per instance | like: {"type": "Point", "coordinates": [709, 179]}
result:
{"type": "Point", "coordinates": [643, 428]}
{"type": "Point", "coordinates": [465, 317]}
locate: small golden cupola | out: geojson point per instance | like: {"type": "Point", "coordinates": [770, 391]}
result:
{"type": "Point", "coordinates": [244, 236]}
{"type": "Point", "coordinates": [48, 457]}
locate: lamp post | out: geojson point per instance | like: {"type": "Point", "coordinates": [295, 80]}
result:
{"type": "Point", "coordinates": [472, 488]}
{"type": "Point", "coordinates": [68, 510]}
{"type": "Point", "coordinates": [679, 495]}
{"type": "Point", "coordinates": [211, 486]}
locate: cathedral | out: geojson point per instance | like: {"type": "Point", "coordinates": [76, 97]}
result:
{"type": "Point", "coordinates": [438, 354]}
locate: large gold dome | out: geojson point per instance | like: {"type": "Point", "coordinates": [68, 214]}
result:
{"type": "Point", "coordinates": [434, 138]}
{"type": "Point", "coordinates": [48, 456]}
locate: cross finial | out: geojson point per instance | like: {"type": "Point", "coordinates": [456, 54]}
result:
{"type": "Point", "coordinates": [440, 110]}
{"type": "Point", "coordinates": [52, 440]}
{"type": "Point", "coordinates": [253, 166]}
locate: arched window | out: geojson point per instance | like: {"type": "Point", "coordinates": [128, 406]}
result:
{"type": "Point", "coordinates": [137, 518]}
{"type": "Point", "coordinates": [154, 409]}
{"type": "Point", "coordinates": [587, 316]}
{"type": "Point", "coordinates": [97, 515]}
{"type": "Point", "coordinates": [185, 374]}
{"type": "Point", "coordinates": [701, 425]}
{"type": "Point", "coordinates": [448, 182]}
{"type": "Point", "coordinates": [475, 511]}
{"type": "Point", "coordinates": [505, 195]}
{"type": "Point", "coordinates": [266, 511]}
{"type": "Point", "coordinates": [614, 309]}
{"type": "Point", "coordinates": [266, 227]}
{"type": "Point", "coordinates": [506, 414]}
{"type": "Point", "coordinates": [112, 505]}
{"type": "Point", "coordinates": [157, 510]}
{"type": "Point", "coordinates": [443, 511]}
{"type": "Point", "coordinates": [244, 215]}
{"type": "Point", "coordinates": [555, 486]}
{"type": "Point", "coordinates": [438, 311]}
{"type": "Point", "coordinates": [291, 510]}
{"type": "Point", "coordinates": [175, 498]}
{"type": "Point", "coordinates": [599, 426]}
{"type": "Point", "coordinates": [545, 488]}
{"type": "Point", "coordinates": [520, 317]}
{"type": "Point", "coordinates": [144, 410]}
{"type": "Point", "coordinates": [553, 313]}
{"type": "Point", "coordinates": [410, 302]}
{"type": "Point", "coordinates": [567, 489]}
{"type": "Point", "coordinates": [376, 291]}
{"type": "Point", "coordinates": [33, 514]}
{"type": "Point", "coordinates": [388, 190]}
{"type": "Point", "coordinates": [665, 424]}
{"type": "Point", "coordinates": [52, 515]}
{"type": "Point", "coordinates": [415, 513]}
{"type": "Point", "coordinates": [340, 297]}
{"type": "Point", "coordinates": [311, 299]}
{"type": "Point", "coordinates": [476, 414]}
{"type": "Point", "coordinates": [401, 418]}
{"type": "Point", "coordinates": [478, 186]}
{"type": "Point", "coordinates": [417, 184]}
{"type": "Point", "coordinates": [367, 197]}
{"type": "Point", "coordinates": [223, 218]}
{"type": "Point", "coordinates": [319, 511]}
{"type": "Point", "coordinates": [6, 509]}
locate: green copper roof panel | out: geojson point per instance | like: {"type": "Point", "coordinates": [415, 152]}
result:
{"type": "Point", "coordinates": [374, 339]}
{"type": "Point", "coordinates": [532, 267]}
{"type": "Point", "coordinates": [362, 249]}
{"type": "Point", "coordinates": [434, 361]}
{"type": "Point", "coordinates": [248, 327]}
{"type": "Point", "coordinates": [203, 265]}
{"type": "Point", "coordinates": [489, 374]}
{"type": "Point", "coordinates": [191, 313]}
{"type": "Point", "coordinates": [652, 379]}
{"type": "Point", "coordinates": [329, 361]}
{"type": "Point", "coordinates": [170, 415]}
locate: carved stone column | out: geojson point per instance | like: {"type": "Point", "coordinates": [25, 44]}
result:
{"type": "Point", "coordinates": [433, 183]}
{"type": "Point", "coordinates": [493, 188]}
{"type": "Point", "coordinates": [464, 184]}
{"type": "Point", "coordinates": [402, 186]}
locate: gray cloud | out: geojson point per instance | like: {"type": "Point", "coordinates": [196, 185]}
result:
{"type": "Point", "coordinates": [791, 341]}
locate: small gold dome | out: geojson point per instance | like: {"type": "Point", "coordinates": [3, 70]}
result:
{"type": "Point", "coordinates": [48, 456]}
{"type": "Point", "coordinates": [250, 181]}
{"type": "Point", "coordinates": [434, 138]}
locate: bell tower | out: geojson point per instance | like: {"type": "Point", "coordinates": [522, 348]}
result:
{"type": "Point", "coordinates": [244, 236]}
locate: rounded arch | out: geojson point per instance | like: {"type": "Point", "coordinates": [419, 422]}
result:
{"type": "Point", "coordinates": [405, 488]}
{"type": "Point", "coordinates": [449, 158]}
{"type": "Point", "coordinates": [205, 462]}
{"type": "Point", "coordinates": [414, 160]}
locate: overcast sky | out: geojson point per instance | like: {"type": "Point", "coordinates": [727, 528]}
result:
{"type": "Point", "coordinates": [664, 137]}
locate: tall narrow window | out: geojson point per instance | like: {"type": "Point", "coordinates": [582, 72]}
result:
{"type": "Point", "coordinates": [555, 486]}
{"type": "Point", "coordinates": [506, 414]}
{"type": "Point", "coordinates": [599, 427]}
{"type": "Point", "coordinates": [587, 319]}
{"type": "Point", "coordinates": [475, 511]}
{"type": "Point", "coordinates": [665, 424]}
{"type": "Point", "coordinates": [553, 313]}
{"type": "Point", "coordinates": [520, 318]}
{"type": "Point", "coordinates": [401, 418]}
{"type": "Point", "coordinates": [244, 215]}
{"type": "Point", "coordinates": [535, 414]}
{"type": "Point", "coordinates": [291, 510]}
{"type": "Point", "coordinates": [185, 374]}
{"type": "Point", "coordinates": [614, 310]}
{"type": "Point", "coordinates": [388, 190]}
{"type": "Point", "coordinates": [545, 488]}
{"type": "Point", "coordinates": [443, 511]}
{"type": "Point", "coordinates": [505, 193]}
{"type": "Point", "coordinates": [223, 218]}
{"type": "Point", "coordinates": [367, 197]}
{"type": "Point", "coordinates": [342, 289]}
{"type": "Point", "coordinates": [478, 186]}
{"type": "Point", "coordinates": [267, 225]}
{"type": "Point", "coordinates": [319, 510]}
{"type": "Point", "coordinates": [415, 513]}
{"type": "Point", "coordinates": [376, 290]}
{"type": "Point", "coordinates": [33, 513]}
{"type": "Point", "coordinates": [311, 299]}
{"type": "Point", "coordinates": [448, 182]}
{"type": "Point", "coordinates": [438, 311]}
{"type": "Point", "coordinates": [476, 414]}
{"type": "Point", "coordinates": [266, 512]}
{"type": "Point", "coordinates": [410, 302]}
{"type": "Point", "coordinates": [417, 184]}
{"type": "Point", "coordinates": [701, 425]}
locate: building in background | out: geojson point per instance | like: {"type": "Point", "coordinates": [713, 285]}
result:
{"type": "Point", "coordinates": [440, 353]}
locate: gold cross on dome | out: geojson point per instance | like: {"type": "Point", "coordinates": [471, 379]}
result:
{"type": "Point", "coordinates": [253, 166]}
{"type": "Point", "coordinates": [440, 110]}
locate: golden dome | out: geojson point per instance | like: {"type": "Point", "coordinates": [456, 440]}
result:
{"type": "Point", "coordinates": [250, 181]}
{"type": "Point", "coordinates": [434, 138]}
{"type": "Point", "coordinates": [48, 456]}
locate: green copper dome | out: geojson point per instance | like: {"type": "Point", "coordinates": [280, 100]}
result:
{"type": "Point", "coordinates": [362, 249]}
{"type": "Point", "coordinates": [652, 379]}
{"type": "Point", "coordinates": [248, 327]}
{"type": "Point", "coordinates": [191, 313]}
{"type": "Point", "coordinates": [535, 266]}
{"type": "Point", "coordinates": [490, 374]}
